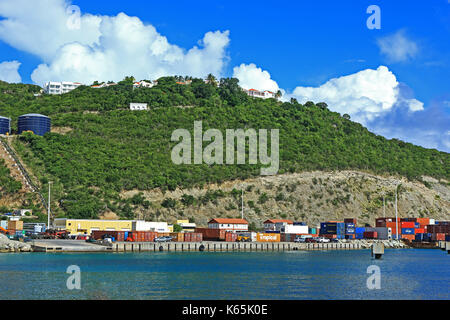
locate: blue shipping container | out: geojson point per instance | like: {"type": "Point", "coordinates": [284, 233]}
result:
{"type": "Point", "coordinates": [359, 236]}
{"type": "Point", "coordinates": [408, 231]}
{"type": "Point", "coordinates": [360, 230]}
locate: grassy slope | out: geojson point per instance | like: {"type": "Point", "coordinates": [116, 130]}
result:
{"type": "Point", "coordinates": [111, 149]}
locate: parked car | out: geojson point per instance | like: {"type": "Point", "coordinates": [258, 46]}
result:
{"type": "Point", "coordinates": [163, 239]}
{"type": "Point", "coordinates": [302, 238]}
{"type": "Point", "coordinates": [311, 240]}
{"type": "Point", "coordinates": [82, 237]}
{"type": "Point", "coordinates": [323, 240]}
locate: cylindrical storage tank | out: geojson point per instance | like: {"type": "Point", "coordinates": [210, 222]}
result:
{"type": "Point", "coordinates": [5, 125]}
{"type": "Point", "coordinates": [37, 123]}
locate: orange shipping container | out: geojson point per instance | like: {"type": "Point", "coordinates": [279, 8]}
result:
{"type": "Point", "coordinates": [423, 221]}
{"type": "Point", "coordinates": [409, 237]}
{"type": "Point", "coordinates": [268, 237]}
{"type": "Point", "coordinates": [420, 230]}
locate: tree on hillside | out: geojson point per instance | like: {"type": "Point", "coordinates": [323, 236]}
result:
{"type": "Point", "coordinates": [211, 79]}
{"type": "Point", "coordinates": [278, 94]}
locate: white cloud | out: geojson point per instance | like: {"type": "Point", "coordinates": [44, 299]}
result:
{"type": "Point", "coordinates": [40, 27]}
{"type": "Point", "coordinates": [105, 47]}
{"type": "Point", "coordinates": [364, 95]}
{"type": "Point", "coordinates": [397, 47]}
{"type": "Point", "coordinates": [9, 71]}
{"type": "Point", "coordinates": [252, 77]}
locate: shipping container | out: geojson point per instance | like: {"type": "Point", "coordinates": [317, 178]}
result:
{"type": "Point", "coordinates": [408, 225]}
{"type": "Point", "coordinates": [230, 237]}
{"type": "Point", "coordinates": [360, 230]}
{"type": "Point", "coordinates": [268, 237]}
{"type": "Point", "coordinates": [177, 236]}
{"type": "Point", "coordinates": [359, 236]}
{"type": "Point", "coordinates": [438, 236]}
{"type": "Point", "coordinates": [408, 231]}
{"type": "Point", "coordinates": [211, 234]}
{"type": "Point", "coordinates": [409, 237]}
{"type": "Point", "coordinates": [15, 224]}
{"type": "Point", "coordinates": [420, 230]}
{"type": "Point", "coordinates": [370, 235]}
{"type": "Point", "coordinates": [382, 233]}
{"type": "Point", "coordinates": [350, 220]}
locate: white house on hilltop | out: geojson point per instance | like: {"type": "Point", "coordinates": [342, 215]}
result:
{"type": "Point", "coordinates": [138, 106]}
{"type": "Point", "coordinates": [60, 87]}
{"type": "Point", "coordinates": [260, 94]}
{"type": "Point", "coordinates": [145, 84]}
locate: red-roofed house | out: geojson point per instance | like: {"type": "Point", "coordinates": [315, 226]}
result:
{"type": "Point", "coordinates": [276, 224]}
{"type": "Point", "coordinates": [228, 224]}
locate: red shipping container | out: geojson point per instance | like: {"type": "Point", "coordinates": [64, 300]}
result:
{"type": "Point", "coordinates": [392, 225]}
{"type": "Point", "coordinates": [438, 237]}
{"type": "Point", "coordinates": [350, 220]}
{"type": "Point", "coordinates": [420, 230]}
{"type": "Point", "coordinates": [211, 234]}
{"type": "Point", "coordinates": [230, 237]}
{"type": "Point", "coordinates": [370, 235]}
{"type": "Point", "coordinates": [408, 225]}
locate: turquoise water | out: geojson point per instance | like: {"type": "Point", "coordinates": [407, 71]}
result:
{"type": "Point", "coordinates": [405, 274]}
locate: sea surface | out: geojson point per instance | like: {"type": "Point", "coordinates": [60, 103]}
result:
{"type": "Point", "coordinates": [404, 274]}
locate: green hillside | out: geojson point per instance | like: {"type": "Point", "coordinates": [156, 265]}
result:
{"type": "Point", "coordinates": [104, 148]}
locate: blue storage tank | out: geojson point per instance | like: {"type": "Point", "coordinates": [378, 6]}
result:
{"type": "Point", "coordinates": [5, 125]}
{"type": "Point", "coordinates": [37, 123]}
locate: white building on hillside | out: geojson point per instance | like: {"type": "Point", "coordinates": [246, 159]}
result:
{"type": "Point", "coordinates": [103, 85]}
{"type": "Point", "coordinates": [138, 106]}
{"type": "Point", "coordinates": [60, 87]}
{"type": "Point", "coordinates": [145, 84]}
{"type": "Point", "coordinates": [260, 94]}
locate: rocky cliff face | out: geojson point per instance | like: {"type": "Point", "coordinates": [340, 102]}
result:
{"type": "Point", "coordinates": [311, 197]}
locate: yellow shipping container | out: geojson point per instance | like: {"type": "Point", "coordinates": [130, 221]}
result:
{"type": "Point", "coordinates": [268, 237]}
{"type": "Point", "coordinates": [15, 225]}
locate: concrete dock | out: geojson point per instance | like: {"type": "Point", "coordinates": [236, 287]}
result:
{"type": "Point", "coordinates": [216, 246]}
{"type": "Point", "coordinates": [67, 246]}
{"type": "Point", "coordinates": [207, 246]}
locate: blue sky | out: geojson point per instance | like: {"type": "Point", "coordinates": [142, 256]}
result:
{"type": "Point", "coordinates": [299, 44]}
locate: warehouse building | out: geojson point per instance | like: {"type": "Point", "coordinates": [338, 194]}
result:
{"type": "Point", "coordinates": [86, 226]}
{"type": "Point", "coordinates": [229, 224]}
{"type": "Point", "coordinates": [36, 123]}
{"type": "Point", "coordinates": [276, 224]}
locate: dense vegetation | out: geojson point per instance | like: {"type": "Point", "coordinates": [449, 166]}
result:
{"type": "Point", "coordinates": [108, 148]}
{"type": "Point", "coordinates": [7, 183]}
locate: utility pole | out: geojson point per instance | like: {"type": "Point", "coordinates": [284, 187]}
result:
{"type": "Point", "coordinates": [48, 206]}
{"type": "Point", "coordinates": [396, 212]}
{"type": "Point", "coordinates": [242, 204]}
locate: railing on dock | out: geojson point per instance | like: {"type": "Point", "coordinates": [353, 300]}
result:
{"type": "Point", "coordinates": [229, 246]}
